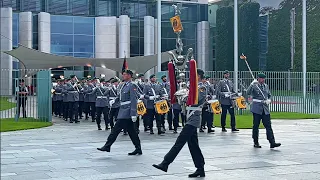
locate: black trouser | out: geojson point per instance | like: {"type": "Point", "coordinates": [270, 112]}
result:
{"type": "Point", "coordinates": [267, 124]}
{"type": "Point", "coordinates": [176, 115]}
{"type": "Point", "coordinates": [105, 111]}
{"type": "Point", "coordinates": [188, 134]}
{"type": "Point", "coordinates": [206, 117]}
{"type": "Point", "coordinates": [151, 113]}
{"type": "Point", "coordinates": [229, 108]}
{"type": "Point", "coordinates": [22, 103]}
{"type": "Point", "coordinates": [183, 118]}
{"type": "Point", "coordinates": [73, 110]}
{"type": "Point", "coordinates": [124, 124]}
{"type": "Point", "coordinates": [65, 110]}
{"type": "Point", "coordinates": [169, 119]}
{"type": "Point", "coordinates": [81, 108]}
{"type": "Point", "coordinates": [53, 108]}
{"type": "Point", "coordinates": [59, 108]}
{"type": "Point", "coordinates": [113, 116]}
{"type": "Point", "coordinates": [92, 109]}
{"type": "Point", "coordinates": [57, 105]}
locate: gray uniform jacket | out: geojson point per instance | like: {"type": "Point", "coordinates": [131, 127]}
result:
{"type": "Point", "coordinates": [81, 94]}
{"type": "Point", "coordinates": [85, 90]}
{"type": "Point", "coordinates": [91, 96]}
{"type": "Point", "coordinates": [259, 107]}
{"type": "Point", "coordinates": [102, 95]}
{"type": "Point", "coordinates": [57, 96]}
{"type": "Point", "coordinates": [150, 90]}
{"type": "Point", "coordinates": [194, 119]}
{"type": "Point", "coordinates": [128, 100]}
{"type": "Point", "coordinates": [113, 94]}
{"type": "Point", "coordinates": [73, 94]}
{"type": "Point", "coordinates": [64, 93]}
{"type": "Point", "coordinates": [224, 86]}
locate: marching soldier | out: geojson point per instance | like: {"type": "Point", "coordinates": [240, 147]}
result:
{"type": "Point", "coordinates": [58, 97]}
{"type": "Point", "coordinates": [176, 108]}
{"type": "Point", "coordinates": [141, 84]}
{"type": "Point", "coordinates": [65, 100]}
{"type": "Point", "coordinates": [102, 103]}
{"type": "Point", "coordinates": [127, 114]}
{"type": "Point", "coordinates": [114, 102]}
{"type": "Point", "coordinates": [81, 99]}
{"type": "Point", "coordinates": [225, 91]}
{"type": "Point", "coordinates": [261, 98]}
{"type": "Point", "coordinates": [85, 90]}
{"type": "Point", "coordinates": [22, 93]}
{"type": "Point", "coordinates": [91, 100]}
{"type": "Point", "coordinates": [207, 114]}
{"type": "Point", "coordinates": [73, 99]}
{"type": "Point", "coordinates": [152, 92]}
{"type": "Point", "coordinates": [166, 91]}
{"type": "Point", "coordinates": [189, 134]}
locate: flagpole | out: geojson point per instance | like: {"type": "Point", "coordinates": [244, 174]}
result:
{"type": "Point", "coordinates": [159, 35]}
{"type": "Point", "coordinates": [235, 57]}
{"type": "Point", "coordinates": [304, 47]}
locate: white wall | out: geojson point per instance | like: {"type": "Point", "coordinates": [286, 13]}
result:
{"type": "Point", "coordinates": [203, 38]}
{"type": "Point", "coordinates": [149, 37]}
{"type": "Point", "coordinates": [25, 29]}
{"type": "Point", "coordinates": [124, 36]}
{"type": "Point", "coordinates": [44, 32]}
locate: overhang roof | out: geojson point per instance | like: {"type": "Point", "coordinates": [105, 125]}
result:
{"type": "Point", "coordinates": [34, 59]}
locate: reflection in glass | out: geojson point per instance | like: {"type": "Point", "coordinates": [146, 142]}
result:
{"type": "Point", "coordinates": [15, 29]}
{"type": "Point", "coordinates": [62, 24]}
{"type": "Point", "coordinates": [107, 7]}
{"type": "Point", "coordinates": [33, 5]}
{"type": "Point", "coordinates": [83, 25]}
{"type": "Point", "coordinates": [58, 6]}
{"type": "Point", "coordinates": [80, 7]}
{"type": "Point", "coordinates": [61, 43]}
{"type": "Point", "coordinates": [83, 43]}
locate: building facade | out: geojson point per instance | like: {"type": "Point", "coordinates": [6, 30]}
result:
{"type": "Point", "coordinates": [100, 29]}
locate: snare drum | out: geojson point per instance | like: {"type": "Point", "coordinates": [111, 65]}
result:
{"type": "Point", "coordinates": [141, 109]}
{"type": "Point", "coordinates": [162, 107]}
{"type": "Point", "coordinates": [241, 102]}
{"type": "Point", "coordinates": [215, 106]}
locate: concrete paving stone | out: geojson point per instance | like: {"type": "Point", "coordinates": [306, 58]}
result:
{"type": "Point", "coordinates": [31, 176]}
{"type": "Point", "coordinates": [23, 170]}
{"type": "Point", "coordinates": [6, 178]}
{"type": "Point", "coordinates": [17, 160]}
{"type": "Point", "coordinates": [245, 165]}
{"type": "Point", "coordinates": [71, 172]}
{"type": "Point", "coordinates": [123, 175]}
{"type": "Point", "coordinates": [4, 174]}
{"type": "Point", "coordinates": [299, 176]}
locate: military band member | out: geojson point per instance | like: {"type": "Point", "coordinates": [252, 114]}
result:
{"type": "Point", "coordinates": [261, 97]}
{"type": "Point", "coordinates": [73, 99]}
{"type": "Point", "coordinates": [102, 103]}
{"type": "Point", "coordinates": [189, 135]}
{"type": "Point", "coordinates": [127, 114]}
{"type": "Point", "coordinates": [166, 91]}
{"type": "Point", "coordinates": [225, 91]}
{"type": "Point", "coordinates": [65, 100]}
{"type": "Point", "coordinates": [81, 98]}
{"type": "Point", "coordinates": [114, 102]}
{"type": "Point", "coordinates": [207, 114]}
{"type": "Point", "coordinates": [85, 90]}
{"type": "Point", "coordinates": [91, 99]}
{"type": "Point", "coordinates": [22, 93]}
{"type": "Point", "coordinates": [152, 91]}
{"type": "Point", "coordinates": [141, 84]}
{"type": "Point", "coordinates": [57, 95]}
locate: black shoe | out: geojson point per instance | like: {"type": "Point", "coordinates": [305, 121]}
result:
{"type": "Point", "coordinates": [170, 128]}
{"type": "Point", "coordinates": [198, 173]}
{"type": "Point", "coordinates": [146, 129]}
{"type": "Point", "coordinates": [160, 132]}
{"type": "Point", "coordinates": [70, 121]}
{"type": "Point", "coordinates": [87, 118]}
{"type": "Point", "coordinates": [151, 131]}
{"type": "Point", "coordinates": [161, 166]}
{"type": "Point", "coordinates": [76, 121]}
{"type": "Point", "coordinates": [201, 130]}
{"type": "Point", "coordinates": [204, 127]}
{"type": "Point", "coordinates": [224, 129]}
{"type": "Point", "coordinates": [256, 145]}
{"type": "Point", "coordinates": [135, 152]}
{"type": "Point", "coordinates": [104, 148]}
{"type": "Point", "coordinates": [235, 130]}
{"type": "Point", "coordinates": [210, 130]}
{"type": "Point", "coordinates": [175, 132]}
{"type": "Point", "coordinates": [274, 145]}
{"type": "Point", "coordinates": [93, 120]}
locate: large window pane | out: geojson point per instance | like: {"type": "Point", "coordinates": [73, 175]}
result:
{"type": "Point", "coordinates": [107, 8]}
{"type": "Point", "coordinates": [58, 6]}
{"type": "Point", "coordinates": [134, 45]}
{"type": "Point", "coordinates": [130, 8]}
{"type": "Point", "coordinates": [15, 29]}
{"type": "Point", "coordinates": [61, 43]}
{"type": "Point", "coordinates": [62, 24]}
{"type": "Point", "coordinates": [134, 28]}
{"type": "Point", "coordinates": [167, 31]}
{"type": "Point", "coordinates": [189, 30]}
{"type": "Point", "coordinates": [84, 55]}
{"type": "Point", "coordinates": [80, 7]}
{"type": "Point", "coordinates": [83, 25]}
{"type": "Point", "coordinates": [168, 44]}
{"type": "Point", "coordinates": [83, 43]}
{"type": "Point", "coordinates": [33, 5]}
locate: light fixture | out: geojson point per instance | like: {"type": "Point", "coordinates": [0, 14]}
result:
{"type": "Point", "coordinates": [51, 75]}
{"type": "Point", "coordinates": [103, 66]}
{"type": "Point", "coordinates": [102, 75]}
{"type": "Point", "coordinates": [88, 76]}
{"type": "Point", "coordinates": [61, 77]}
{"type": "Point", "coordinates": [60, 66]}
{"type": "Point", "coordinates": [25, 75]}
{"type": "Point", "coordinates": [89, 65]}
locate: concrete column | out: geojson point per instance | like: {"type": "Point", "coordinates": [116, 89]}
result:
{"type": "Point", "coordinates": [105, 43]}
{"type": "Point", "coordinates": [44, 32]}
{"type": "Point", "coordinates": [203, 44]}
{"type": "Point", "coordinates": [149, 39]}
{"type": "Point", "coordinates": [6, 45]}
{"type": "Point", "coordinates": [25, 29]}
{"type": "Point", "coordinates": [124, 36]}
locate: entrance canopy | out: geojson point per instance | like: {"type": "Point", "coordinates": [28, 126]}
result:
{"type": "Point", "coordinates": [34, 59]}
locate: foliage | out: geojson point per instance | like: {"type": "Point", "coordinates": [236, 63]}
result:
{"type": "Point", "coordinates": [5, 104]}
{"type": "Point", "coordinates": [224, 39]}
{"type": "Point", "coordinates": [249, 34]}
{"type": "Point", "coordinates": [10, 124]}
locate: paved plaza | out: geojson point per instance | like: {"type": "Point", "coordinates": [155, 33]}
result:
{"type": "Point", "coordinates": [68, 151]}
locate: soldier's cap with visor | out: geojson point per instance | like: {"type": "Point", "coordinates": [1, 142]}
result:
{"type": "Point", "coordinates": [152, 76]}
{"type": "Point", "coordinates": [21, 80]}
{"type": "Point", "coordinates": [261, 75]}
{"type": "Point", "coordinates": [113, 80]}
{"type": "Point", "coordinates": [163, 76]}
{"type": "Point", "coordinates": [140, 75]}
{"type": "Point", "coordinates": [128, 71]}
{"type": "Point", "coordinates": [102, 80]}
{"type": "Point", "coordinates": [200, 72]}
{"type": "Point", "coordinates": [226, 72]}
{"type": "Point", "coordinates": [72, 76]}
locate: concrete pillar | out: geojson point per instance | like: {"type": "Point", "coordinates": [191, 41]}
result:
{"type": "Point", "coordinates": [149, 39]}
{"type": "Point", "coordinates": [44, 32]}
{"type": "Point", "coordinates": [124, 36]}
{"type": "Point", "coordinates": [203, 44]}
{"type": "Point", "coordinates": [105, 43]}
{"type": "Point", "coordinates": [25, 29]}
{"type": "Point", "coordinates": [6, 45]}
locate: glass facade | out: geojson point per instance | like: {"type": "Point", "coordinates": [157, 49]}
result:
{"type": "Point", "coordinates": [15, 29]}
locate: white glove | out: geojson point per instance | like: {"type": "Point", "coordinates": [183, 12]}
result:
{"type": "Point", "coordinates": [268, 101]}
{"type": "Point", "coordinates": [214, 97]}
{"type": "Point", "coordinates": [134, 118]}
{"type": "Point", "coordinates": [111, 102]}
{"type": "Point", "coordinates": [151, 98]}
{"type": "Point", "coordinates": [254, 82]}
{"type": "Point", "coordinates": [227, 95]}
{"type": "Point", "coordinates": [98, 85]}
{"type": "Point", "coordinates": [239, 94]}
{"type": "Point", "coordinates": [141, 96]}
{"type": "Point", "coordinates": [157, 96]}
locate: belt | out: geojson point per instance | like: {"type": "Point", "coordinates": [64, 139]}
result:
{"type": "Point", "coordinates": [193, 108]}
{"type": "Point", "coordinates": [112, 98]}
{"type": "Point", "coordinates": [226, 92]}
{"type": "Point", "coordinates": [257, 100]}
{"type": "Point", "coordinates": [57, 93]}
{"type": "Point", "coordinates": [72, 91]}
{"type": "Point", "coordinates": [124, 103]}
{"type": "Point", "coordinates": [99, 97]}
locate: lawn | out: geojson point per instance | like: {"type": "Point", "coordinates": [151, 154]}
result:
{"type": "Point", "coordinates": [5, 104]}
{"type": "Point", "coordinates": [9, 124]}
{"type": "Point", "coordinates": [245, 121]}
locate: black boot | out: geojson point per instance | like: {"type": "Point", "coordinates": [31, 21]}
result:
{"type": "Point", "coordinates": [99, 127]}
{"type": "Point", "coordinates": [274, 145]}
{"type": "Point", "coordinates": [201, 129]}
{"type": "Point", "coordinates": [175, 132]}
{"type": "Point", "coordinates": [160, 131]}
{"type": "Point", "coordinates": [235, 130]}
{"type": "Point", "coordinates": [224, 129]}
{"type": "Point", "coordinates": [198, 173]}
{"type": "Point", "coordinates": [210, 130]}
{"type": "Point", "coordinates": [256, 145]}
{"type": "Point", "coordinates": [136, 152]}
{"type": "Point", "coordinates": [170, 128]}
{"type": "Point", "coordinates": [104, 148]}
{"type": "Point", "coordinates": [161, 166]}
{"type": "Point", "coordinates": [151, 131]}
